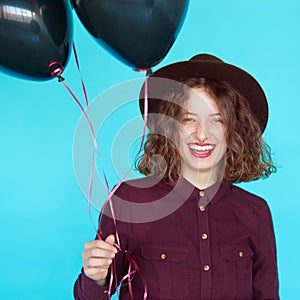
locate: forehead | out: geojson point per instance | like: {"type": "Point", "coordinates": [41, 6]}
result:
{"type": "Point", "coordinates": [200, 102]}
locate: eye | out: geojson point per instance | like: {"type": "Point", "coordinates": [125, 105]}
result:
{"type": "Point", "coordinates": [217, 120]}
{"type": "Point", "coordinates": [189, 120]}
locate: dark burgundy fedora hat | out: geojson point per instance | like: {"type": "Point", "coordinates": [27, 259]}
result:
{"type": "Point", "coordinates": [209, 66]}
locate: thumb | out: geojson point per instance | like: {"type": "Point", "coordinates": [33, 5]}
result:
{"type": "Point", "coordinates": [110, 239]}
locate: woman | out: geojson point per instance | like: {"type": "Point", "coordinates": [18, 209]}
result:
{"type": "Point", "coordinates": [204, 238]}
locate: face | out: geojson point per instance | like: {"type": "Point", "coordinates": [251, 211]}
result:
{"type": "Point", "coordinates": [202, 141]}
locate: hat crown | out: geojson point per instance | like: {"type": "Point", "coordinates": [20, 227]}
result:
{"type": "Point", "coordinates": [206, 57]}
{"type": "Point", "coordinates": [209, 66]}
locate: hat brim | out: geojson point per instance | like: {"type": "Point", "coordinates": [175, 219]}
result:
{"type": "Point", "coordinates": [216, 70]}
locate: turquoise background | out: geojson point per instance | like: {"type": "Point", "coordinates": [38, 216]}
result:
{"type": "Point", "coordinates": [43, 214]}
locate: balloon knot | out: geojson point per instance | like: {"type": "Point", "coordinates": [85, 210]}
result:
{"type": "Point", "coordinates": [55, 68]}
{"type": "Point", "coordinates": [147, 71]}
{"type": "Point", "coordinates": [60, 78]}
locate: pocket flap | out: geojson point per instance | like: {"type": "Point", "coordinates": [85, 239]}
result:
{"type": "Point", "coordinates": [235, 252]}
{"type": "Point", "coordinates": [163, 253]}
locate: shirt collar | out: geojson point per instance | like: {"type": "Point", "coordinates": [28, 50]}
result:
{"type": "Point", "coordinates": [184, 189]}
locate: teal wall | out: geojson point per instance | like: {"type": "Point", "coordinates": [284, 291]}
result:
{"type": "Point", "coordinates": [43, 213]}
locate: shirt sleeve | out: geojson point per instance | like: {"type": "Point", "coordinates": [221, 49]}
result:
{"type": "Point", "coordinates": [86, 288]}
{"type": "Point", "coordinates": [265, 275]}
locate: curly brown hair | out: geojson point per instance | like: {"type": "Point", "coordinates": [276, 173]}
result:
{"type": "Point", "coordinates": [248, 157]}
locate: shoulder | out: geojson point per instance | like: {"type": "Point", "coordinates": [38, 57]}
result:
{"type": "Point", "coordinates": [143, 189]}
{"type": "Point", "coordinates": [248, 201]}
{"type": "Point", "coordinates": [247, 197]}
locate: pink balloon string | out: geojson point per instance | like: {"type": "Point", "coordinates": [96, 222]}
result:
{"type": "Point", "coordinates": [132, 262]}
{"type": "Point", "coordinates": [56, 70]}
{"type": "Point", "coordinates": [82, 82]}
{"type": "Point", "coordinates": [148, 73]}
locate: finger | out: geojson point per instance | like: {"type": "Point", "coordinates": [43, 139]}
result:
{"type": "Point", "coordinates": [99, 244]}
{"type": "Point", "coordinates": [97, 273]}
{"type": "Point", "coordinates": [97, 263]}
{"type": "Point", "coordinates": [98, 253]}
{"type": "Point", "coordinates": [110, 239]}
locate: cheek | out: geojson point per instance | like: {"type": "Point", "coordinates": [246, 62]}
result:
{"type": "Point", "coordinates": [218, 132]}
{"type": "Point", "coordinates": [184, 133]}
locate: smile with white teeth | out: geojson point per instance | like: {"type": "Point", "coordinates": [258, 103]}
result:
{"type": "Point", "coordinates": [201, 148]}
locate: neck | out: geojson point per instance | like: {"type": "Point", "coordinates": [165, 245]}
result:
{"type": "Point", "coordinates": [204, 178]}
{"type": "Point", "coordinates": [201, 181]}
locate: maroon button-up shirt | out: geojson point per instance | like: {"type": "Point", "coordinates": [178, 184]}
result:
{"type": "Point", "coordinates": [216, 244]}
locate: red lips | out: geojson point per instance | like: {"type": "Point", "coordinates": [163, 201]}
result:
{"type": "Point", "coordinates": [201, 150]}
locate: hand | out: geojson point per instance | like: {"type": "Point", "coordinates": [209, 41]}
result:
{"type": "Point", "coordinates": [97, 258]}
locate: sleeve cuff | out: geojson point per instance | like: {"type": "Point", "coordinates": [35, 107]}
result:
{"type": "Point", "coordinates": [91, 290]}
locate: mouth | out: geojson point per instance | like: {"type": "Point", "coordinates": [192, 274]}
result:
{"type": "Point", "coordinates": [201, 150]}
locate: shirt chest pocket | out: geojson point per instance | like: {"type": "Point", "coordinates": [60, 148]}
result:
{"type": "Point", "coordinates": [237, 277]}
{"type": "Point", "coordinates": [165, 271]}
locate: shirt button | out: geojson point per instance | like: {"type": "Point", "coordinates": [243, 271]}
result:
{"type": "Point", "coordinates": [241, 254]}
{"type": "Point", "coordinates": [163, 256]}
{"type": "Point", "coordinates": [202, 208]}
{"type": "Point", "coordinates": [201, 193]}
{"type": "Point", "coordinates": [204, 236]}
{"type": "Point", "coordinates": [206, 268]}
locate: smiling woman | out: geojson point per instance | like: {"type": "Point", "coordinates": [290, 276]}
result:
{"type": "Point", "coordinates": [202, 141]}
{"type": "Point", "coordinates": [207, 110]}
{"type": "Point", "coordinates": [205, 123]}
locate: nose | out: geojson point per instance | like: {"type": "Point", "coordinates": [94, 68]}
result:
{"type": "Point", "coordinates": [200, 132]}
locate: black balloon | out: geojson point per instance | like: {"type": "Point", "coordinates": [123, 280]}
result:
{"type": "Point", "coordinates": [138, 32]}
{"type": "Point", "coordinates": [35, 37]}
